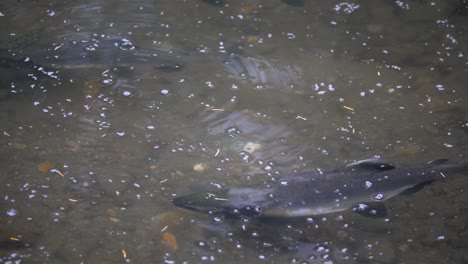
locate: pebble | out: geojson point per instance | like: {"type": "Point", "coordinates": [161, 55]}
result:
{"type": "Point", "coordinates": [252, 147]}
{"type": "Point", "coordinates": [111, 212]}
{"type": "Point", "coordinates": [252, 39]}
{"type": "Point", "coordinates": [200, 167]}
{"type": "Point", "coordinates": [19, 146]}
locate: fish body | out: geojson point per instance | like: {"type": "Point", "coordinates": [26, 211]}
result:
{"type": "Point", "coordinates": [113, 52]}
{"type": "Point", "coordinates": [98, 54]}
{"type": "Point", "coordinates": [263, 72]}
{"type": "Point", "coordinates": [317, 192]}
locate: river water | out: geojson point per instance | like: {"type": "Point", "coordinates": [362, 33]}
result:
{"type": "Point", "coordinates": [110, 109]}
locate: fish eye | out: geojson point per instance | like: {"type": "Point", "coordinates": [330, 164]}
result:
{"type": "Point", "coordinates": [257, 209]}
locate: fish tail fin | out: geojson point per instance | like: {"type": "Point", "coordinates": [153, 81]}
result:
{"type": "Point", "coordinates": [445, 167]}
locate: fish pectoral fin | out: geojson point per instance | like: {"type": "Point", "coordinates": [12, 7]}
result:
{"type": "Point", "coordinates": [416, 188]}
{"type": "Point", "coordinates": [370, 165]}
{"type": "Point", "coordinates": [370, 209]}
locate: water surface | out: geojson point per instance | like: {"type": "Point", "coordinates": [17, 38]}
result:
{"type": "Point", "coordinates": [108, 110]}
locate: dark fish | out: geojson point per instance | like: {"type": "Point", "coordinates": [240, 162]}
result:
{"type": "Point", "coordinates": [13, 244]}
{"type": "Point", "coordinates": [100, 54]}
{"type": "Point", "coordinates": [263, 73]}
{"type": "Point", "coordinates": [356, 186]}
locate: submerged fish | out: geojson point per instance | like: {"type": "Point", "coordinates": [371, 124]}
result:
{"type": "Point", "coordinates": [111, 52]}
{"type": "Point", "coordinates": [100, 54]}
{"type": "Point", "coordinates": [356, 186]}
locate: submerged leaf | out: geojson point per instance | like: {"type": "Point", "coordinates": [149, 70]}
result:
{"type": "Point", "coordinates": [45, 167]}
{"type": "Point", "coordinates": [170, 241]}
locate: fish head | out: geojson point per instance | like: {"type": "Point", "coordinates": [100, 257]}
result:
{"type": "Point", "coordinates": [203, 202]}
{"type": "Point", "coordinates": [235, 201]}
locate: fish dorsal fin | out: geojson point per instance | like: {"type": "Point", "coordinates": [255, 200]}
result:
{"type": "Point", "coordinates": [370, 165]}
{"type": "Point", "coordinates": [437, 161]}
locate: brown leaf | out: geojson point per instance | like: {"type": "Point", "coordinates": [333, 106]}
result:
{"type": "Point", "coordinates": [111, 212]}
{"type": "Point", "coordinates": [45, 167]}
{"type": "Point", "coordinates": [170, 241]}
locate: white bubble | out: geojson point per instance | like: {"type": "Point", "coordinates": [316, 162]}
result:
{"type": "Point", "coordinates": [368, 184]}
{"type": "Point", "coordinates": [12, 212]}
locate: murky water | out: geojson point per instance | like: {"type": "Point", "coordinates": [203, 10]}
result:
{"type": "Point", "coordinates": [109, 109]}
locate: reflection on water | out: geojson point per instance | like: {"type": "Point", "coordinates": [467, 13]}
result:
{"type": "Point", "coordinates": [111, 109]}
